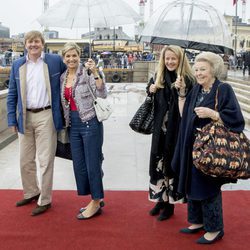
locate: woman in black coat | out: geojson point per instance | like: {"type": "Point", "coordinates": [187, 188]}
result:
{"type": "Point", "coordinates": [169, 91]}
{"type": "Point", "coordinates": [204, 192]}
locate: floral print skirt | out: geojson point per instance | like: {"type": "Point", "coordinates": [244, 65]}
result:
{"type": "Point", "coordinates": [162, 191]}
{"type": "Point", "coordinates": [159, 192]}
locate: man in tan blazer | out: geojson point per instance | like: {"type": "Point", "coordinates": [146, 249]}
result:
{"type": "Point", "coordinates": [33, 105]}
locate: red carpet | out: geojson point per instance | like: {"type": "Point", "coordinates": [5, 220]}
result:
{"type": "Point", "coordinates": [124, 224]}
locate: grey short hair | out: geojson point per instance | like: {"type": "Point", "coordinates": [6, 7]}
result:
{"type": "Point", "coordinates": [215, 61]}
{"type": "Point", "coordinates": [70, 46]}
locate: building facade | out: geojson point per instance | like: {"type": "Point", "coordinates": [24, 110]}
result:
{"type": "Point", "coordinates": [107, 39]}
{"type": "Point", "coordinates": [240, 33]}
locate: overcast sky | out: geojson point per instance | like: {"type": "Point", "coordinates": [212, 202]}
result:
{"type": "Point", "coordinates": [20, 15]}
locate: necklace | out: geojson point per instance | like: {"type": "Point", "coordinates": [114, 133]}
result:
{"type": "Point", "coordinates": [76, 78]}
{"type": "Point", "coordinates": [67, 101]}
{"type": "Point", "coordinates": [203, 91]}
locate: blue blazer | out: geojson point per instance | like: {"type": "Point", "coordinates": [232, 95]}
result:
{"type": "Point", "coordinates": [16, 100]}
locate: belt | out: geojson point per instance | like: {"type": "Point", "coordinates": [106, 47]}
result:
{"type": "Point", "coordinates": [39, 109]}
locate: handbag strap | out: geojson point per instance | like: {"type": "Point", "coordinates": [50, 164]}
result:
{"type": "Point", "coordinates": [90, 89]}
{"type": "Point", "coordinates": [216, 100]}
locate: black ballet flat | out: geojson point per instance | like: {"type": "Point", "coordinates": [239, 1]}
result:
{"type": "Point", "coordinates": [81, 217]}
{"type": "Point", "coordinates": [82, 209]}
{"type": "Point", "coordinates": [202, 240]}
{"type": "Point", "coordinates": [191, 231]}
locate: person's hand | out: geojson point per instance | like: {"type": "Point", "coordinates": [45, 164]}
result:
{"type": "Point", "coordinates": [90, 64]}
{"type": "Point", "coordinates": [203, 112]}
{"type": "Point", "coordinates": [13, 129]}
{"type": "Point", "coordinates": [180, 83]}
{"type": "Point", "coordinates": [152, 88]}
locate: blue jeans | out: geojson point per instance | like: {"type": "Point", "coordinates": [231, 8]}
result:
{"type": "Point", "coordinates": [86, 139]}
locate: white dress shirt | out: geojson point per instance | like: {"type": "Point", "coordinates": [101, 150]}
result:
{"type": "Point", "coordinates": [36, 92]}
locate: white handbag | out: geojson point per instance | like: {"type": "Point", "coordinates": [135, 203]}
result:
{"type": "Point", "coordinates": [102, 107]}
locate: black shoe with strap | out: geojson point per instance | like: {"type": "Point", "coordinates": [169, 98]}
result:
{"type": "Point", "coordinates": [167, 211]}
{"type": "Point", "coordinates": [27, 201]}
{"type": "Point", "coordinates": [157, 208]}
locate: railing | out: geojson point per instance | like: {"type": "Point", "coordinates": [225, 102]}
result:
{"type": "Point", "coordinates": [3, 110]}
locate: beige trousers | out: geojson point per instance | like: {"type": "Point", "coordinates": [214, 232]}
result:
{"type": "Point", "coordinates": [39, 141]}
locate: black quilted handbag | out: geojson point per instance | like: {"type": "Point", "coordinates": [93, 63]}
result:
{"type": "Point", "coordinates": [143, 120]}
{"type": "Point", "coordinates": [63, 149]}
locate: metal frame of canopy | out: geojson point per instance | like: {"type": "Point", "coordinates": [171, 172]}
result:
{"type": "Point", "coordinates": [219, 49]}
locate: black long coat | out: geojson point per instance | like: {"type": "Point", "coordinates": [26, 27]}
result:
{"type": "Point", "coordinates": [246, 58]}
{"type": "Point", "coordinates": [191, 181]}
{"type": "Point", "coordinates": [163, 145]}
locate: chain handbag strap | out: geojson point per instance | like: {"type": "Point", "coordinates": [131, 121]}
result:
{"type": "Point", "coordinates": [90, 89]}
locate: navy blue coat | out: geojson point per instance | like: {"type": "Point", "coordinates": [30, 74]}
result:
{"type": "Point", "coordinates": [192, 182]}
{"type": "Point", "coordinates": [16, 100]}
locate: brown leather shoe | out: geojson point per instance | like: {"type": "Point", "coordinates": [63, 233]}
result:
{"type": "Point", "coordinates": [27, 201]}
{"type": "Point", "coordinates": [40, 209]}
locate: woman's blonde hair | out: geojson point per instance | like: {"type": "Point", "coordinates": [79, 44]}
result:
{"type": "Point", "coordinates": [214, 60]}
{"type": "Point", "coordinates": [70, 46]}
{"type": "Point", "coordinates": [183, 68]}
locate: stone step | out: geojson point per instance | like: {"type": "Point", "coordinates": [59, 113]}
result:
{"type": "Point", "coordinates": [240, 86]}
{"type": "Point", "coordinates": [245, 107]}
{"type": "Point", "coordinates": [247, 119]}
{"type": "Point", "coordinates": [6, 137]}
{"type": "Point", "coordinates": [244, 82]}
{"type": "Point", "coordinates": [242, 92]}
{"type": "Point", "coordinates": [243, 99]}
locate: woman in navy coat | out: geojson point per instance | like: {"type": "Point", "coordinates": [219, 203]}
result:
{"type": "Point", "coordinates": [204, 192]}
